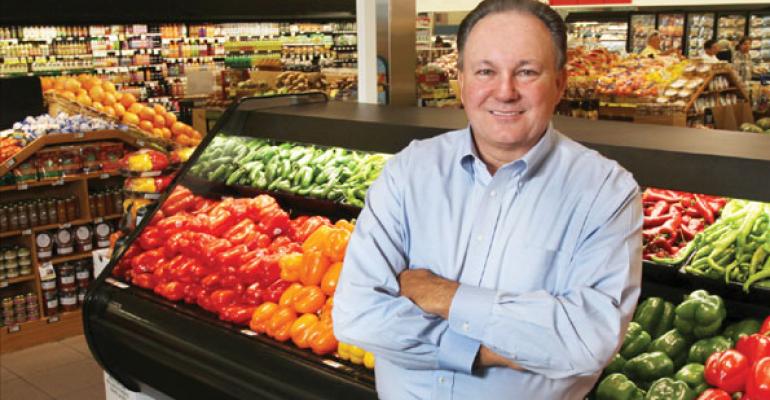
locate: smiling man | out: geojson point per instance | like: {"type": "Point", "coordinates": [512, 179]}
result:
{"type": "Point", "coordinates": [502, 260]}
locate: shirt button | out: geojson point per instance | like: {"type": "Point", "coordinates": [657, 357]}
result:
{"type": "Point", "coordinates": [492, 193]}
{"type": "Point", "coordinates": [480, 237]}
{"type": "Point", "coordinates": [441, 379]}
{"type": "Point", "coordinates": [466, 327]}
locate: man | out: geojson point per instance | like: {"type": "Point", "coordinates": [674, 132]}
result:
{"type": "Point", "coordinates": [504, 259]}
{"type": "Point", "coordinates": [742, 59]}
{"type": "Point", "coordinates": [710, 50]}
{"type": "Point", "coordinates": [652, 49]}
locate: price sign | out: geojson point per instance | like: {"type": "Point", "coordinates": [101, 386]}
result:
{"type": "Point", "coordinates": [22, 186]}
{"type": "Point", "coordinates": [53, 319]}
{"type": "Point", "coordinates": [80, 135]}
{"type": "Point", "coordinates": [104, 176]}
{"type": "Point", "coordinates": [26, 232]}
{"type": "Point", "coordinates": [46, 271]}
{"type": "Point", "coordinates": [60, 182]}
{"type": "Point", "coordinates": [249, 332]}
{"type": "Point", "coordinates": [98, 220]}
{"type": "Point", "coordinates": [14, 328]}
{"type": "Point", "coordinates": [10, 163]}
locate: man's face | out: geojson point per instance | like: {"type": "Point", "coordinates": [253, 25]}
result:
{"type": "Point", "coordinates": [745, 46]}
{"type": "Point", "coordinates": [713, 49]}
{"type": "Point", "coordinates": [509, 83]}
{"type": "Point", "coordinates": [654, 42]}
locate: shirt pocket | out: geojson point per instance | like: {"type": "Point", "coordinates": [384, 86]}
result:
{"type": "Point", "coordinates": [526, 267]}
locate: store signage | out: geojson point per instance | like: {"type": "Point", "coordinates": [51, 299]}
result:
{"type": "Point", "coordinates": [26, 232]}
{"type": "Point", "coordinates": [46, 271]}
{"type": "Point", "coordinates": [14, 328]}
{"type": "Point", "coordinates": [53, 319]}
{"type": "Point", "coordinates": [22, 186]}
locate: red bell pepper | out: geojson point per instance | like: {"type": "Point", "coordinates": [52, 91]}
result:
{"type": "Point", "coordinates": [242, 232]}
{"type": "Point", "coordinates": [147, 261]}
{"type": "Point", "coordinates": [765, 328]}
{"type": "Point", "coordinates": [232, 256]}
{"type": "Point", "coordinates": [258, 241]}
{"type": "Point", "coordinates": [253, 294]}
{"type": "Point", "coordinates": [754, 347]}
{"type": "Point", "coordinates": [191, 293]}
{"type": "Point", "coordinates": [222, 298]}
{"type": "Point", "coordinates": [299, 231]}
{"type": "Point", "coordinates": [273, 292]}
{"type": "Point", "coordinates": [714, 394]}
{"type": "Point", "coordinates": [173, 290]}
{"type": "Point", "coordinates": [212, 281]}
{"type": "Point", "coordinates": [220, 220]}
{"type": "Point", "coordinates": [264, 270]}
{"type": "Point", "coordinates": [758, 382]}
{"type": "Point", "coordinates": [727, 370]}
{"type": "Point", "coordinates": [274, 221]}
{"type": "Point", "coordinates": [146, 281]}
{"type": "Point", "coordinates": [238, 314]}
{"type": "Point", "coordinates": [181, 199]}
{"type": "Point", "coordinates": [152, 237]}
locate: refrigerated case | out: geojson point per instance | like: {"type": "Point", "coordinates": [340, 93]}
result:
{"type": "Point", "coordinates": [700, 28]}
{"type": "Point", "coordinates": [612, 36]}
{"type": "Point", "coordinates": [640, 27]}
{"type": "Point", "coordinates": [759, 31]}
{"type": "Point", "coordinates": [146, 341]}
{"type": "Point", "coordinates": [671, 28]}
{"type": "Point", "coordinates": [731, 27]}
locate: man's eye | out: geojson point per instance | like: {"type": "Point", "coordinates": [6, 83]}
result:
{"type": "Point", "coordinates": [484, 72]}
{"type": "Point", "coordinates": [527, 73]}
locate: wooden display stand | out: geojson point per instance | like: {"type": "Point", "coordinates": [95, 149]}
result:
{"type": "Point", "coordinates": [55, 327]}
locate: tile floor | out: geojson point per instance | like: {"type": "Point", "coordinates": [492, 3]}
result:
{"type": "Point", "coordinates": [61, 370]}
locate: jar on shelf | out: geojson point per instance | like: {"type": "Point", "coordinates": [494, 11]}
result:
{"type": "Point", "coordinates": [92, 205]}
{"type": "Point", "coordinates": [4, 219]}
{"type": "Point", "coordinates": [13, 217]}
{"type": "Point", "coordinates": [101, 205]}
{"type": "Point", "coordinates": [23, 217]}
{"type": "Point", "coordinates": [51, 302]}
{"type": "Point", "coordinates": [72, 208]}
{"type": "Point", "coordinates": [102, 232]}
{"type": "Point", "coordinates": [65, 275]}
{"type": "Point", "coordinates": [53, 214]}
{"type": "Point", "coordinates": [82, 295]}
{"type": "Point", "coordinates": [42, 212]}
{"type": "Point", "coordinates": [82, 274]}
{"type": "Point", "coordinates": [61, 211]}
{"type": "Point", "coordinates": [32, 214]}
{"type": "Point", "coordinates": [84, 240]}
{"type": "Point", "coordinates": [68, 299]}
{"type": "Point", "coordinates": [11, 269]}
{"type": "Point", "coordinates": [64, 242]}
{"type": "Point", "coordinates": [44, 242]}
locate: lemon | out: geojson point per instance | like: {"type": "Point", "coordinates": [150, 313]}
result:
{"type": "Point", "coordinates": [369, 360]}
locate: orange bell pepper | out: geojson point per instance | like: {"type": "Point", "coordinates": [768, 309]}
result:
{"type": "Point", "coordinates": [315, 265]}
{"type": "Point", "coordinates": [322, 339]}
{"type": "Point", "coordinates": [329, 281]}
{"type": "Point", "coordinates": [309, 299]}
{"type": "Point", "coordinates": [291, 267]}
{"type": "Point", "coordinates": [279, 327]}
{"type": "Point", "coordinates": [287, 298]}
{"type": "Point", "coordinates": [301, 328]}
{"type": "Point", "coordinates": [336, 244]}
{"type": "Point", "coordinates": [344, 224]}
{"type": "Point", "coordinates": [326, 312]}
{"type": "Point", "coordinates": [262, 316]}
{"type": "Point", "coordinates": [317, 239]}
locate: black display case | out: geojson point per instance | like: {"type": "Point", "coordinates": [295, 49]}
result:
{"type": "Point", "coordinates": [180, 350]}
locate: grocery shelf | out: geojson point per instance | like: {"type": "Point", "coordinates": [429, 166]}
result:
{"type": "Point", "coordinates": [19, 279]}
{"type": "Point", "coordinates": [64, 225]}
{"type": "Point", "coordinates": [71, 257]}
{"type": "Point", "coordinates": [59, 181]}
{"type": "Point", "coordinates": [43, 330]}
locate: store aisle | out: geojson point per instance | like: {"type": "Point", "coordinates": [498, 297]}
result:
{"type": "Point", "coordinates": [61, 370]}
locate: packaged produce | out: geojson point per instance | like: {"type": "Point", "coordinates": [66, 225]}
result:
{"type": "Point", "coordinates": [46, 124]}
{"type": "Point", "coordinates": [48, 164]}
{"type": "Point", "coordinates": [11, 143]}
{"type": "Point", "coordinates": [26, 171]}
{"type": "Point", "coordinates": [145, 160]}
{"type": "Point", "coordinates": [70, 161]}
{"type": "Point", "coordinates": [110, 155]}
{"type": "Point", "coordinates": [148, 184]}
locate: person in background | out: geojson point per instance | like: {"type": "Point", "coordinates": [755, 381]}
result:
{"type": "Point", "coordinates": [710, 50]}
{"type": "Point", "coordinates": [742, 60]}
{"type": "Point", "coordinates": [502, 260]}
{"type": "Point", "coordinates": [724, 53]}
{"type": "Point", "coordinates": [652, 49]}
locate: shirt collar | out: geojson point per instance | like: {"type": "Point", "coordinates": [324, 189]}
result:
{"type": "Point", "coordinates": [531, 161]}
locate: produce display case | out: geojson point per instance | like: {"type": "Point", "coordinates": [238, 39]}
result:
{"type": "Point", "coordinates": [640, 27]}
{"type": "Point", "coordinates": [731, 27]}
{"type": "Point", "coordinates": [700, 28]}
{"type": "Point", "coordinates": [183, 351]}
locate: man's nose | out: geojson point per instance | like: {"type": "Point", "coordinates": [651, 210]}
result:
{"type": "Point", "coordinates": [506, 89]}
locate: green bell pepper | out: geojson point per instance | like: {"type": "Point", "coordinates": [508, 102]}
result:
{"type": "Point", "coordinates": [669, 389]}
{"type": "Point", "coordinates": [700, 314]}
{"type": "Point", "coordinates": [618, 387]}
{"type": "Point", "coordinates": [702, 349]}
{"type": "Point", "coordinates": [745, 327]}
{"type": "Point", "coordinates": [648, 367]}
{"type": "Point", "coordinates": [635, 341]}
{"type": "Point", "coordinates": [655, 315]}
{"type": "Point", "coordinates": [616, 365]}
{"type": "Point", "coordinates": [692, 375]}
{"type": "Point", "coordinates": [674, 344]}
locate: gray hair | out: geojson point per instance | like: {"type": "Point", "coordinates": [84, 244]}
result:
{"type": "Point", "coordinates": [543, 12]}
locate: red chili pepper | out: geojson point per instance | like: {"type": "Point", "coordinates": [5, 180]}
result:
{"type": "Point", "coordinates": [758, 382]}
{"type": "Point", "coordinates": [727, 370]}
{"type": "Point", "coordinates": [173, 290]}
{"type": "Point", "coordinates": [754, 347]}
{"type": "Point", "coordinates": [212, 281]}
{"type": "Point", "coordinates": [703, 208]}
{"type": "Point", "coordinates": [181, 199]}
{"type": "Point", "coordinates": [657, 194]}
{"type": "Point", "coordinates": [661, 206]}
{"type": "Point", "coordinates": [146, 281]}
{"type": "Point", "coordinates": [242, 232]}
{"type": "Point", "coordinates": [162, 182]}
{"type": "Point", "coordinates": [714, 394]}
{"type": "Point", "coordinates": [147, 261]}
{"type": "Point", "coordinates": [259, 241]}
{"type": "Point", "coordinates": [651, 221]}
{"type": "Point", "coordinates": [273, 292]}
{"type": "Point", "coordinates": [765, 328]}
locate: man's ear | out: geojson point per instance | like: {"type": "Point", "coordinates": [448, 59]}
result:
{"type": "Point", "coordinates": [561, 82]}
{"type": "Point", "coordinates": [460, 80]}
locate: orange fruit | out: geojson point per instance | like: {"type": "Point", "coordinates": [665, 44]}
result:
{"type": "Point", "coordinates": [157, 132]}
{"type": "Point", "coordinates": [147, 113]}
{"type": "Point", "coordinates": [177, 128]}
{"type": "Point", "coordinates": [195, 134]}
{"type": "Point", "coordinates": [135, 108]}
{"type": "Point", "coordinates": [119, 109]}
{"type": "Point", "coordinates": [83, 99]}
{"type": "Point", "coordinates": [108, 99]}
{"type": "Point", "coordinates": [127, 100]}
{"type": "Point", "coordinates": [170, 119]}
{"type": "Point", "coordinates": [46, 83]}
{"type": "Point", "coordinates": [97, 105]}
{"type": "Point", "coordinates": [159, 121]}
{"type": "Point", "coordinates": [87, 83]}
{"type": "Point", "coordinates": [109, 110]}
{"type": "Point", "coordinates": [108, 87]}
{"type": "Point", "coordinates": [96, 93]}
{"type": "Point", "coordinates": [118, 96]}
{"type": "Point", "coordinates": [145, 125]}
{"type": "Point", "coordinates": [68, 95]}
{"type": "Point", "coordinates": [82, 92]}
{"type": "Point", "coordinates": [159, 109]}
{"type": "Point", "coordinates": [72, 85]}
{"type": "Point", "coordinates": [130, 118]}
{"type": "Point", "coordinates": [166, 133]}
{"type": "Point", "coordinates": [58, 84]}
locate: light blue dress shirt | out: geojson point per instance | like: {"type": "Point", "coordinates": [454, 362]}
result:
{"type": "Point", "coordinates": [547, 252]}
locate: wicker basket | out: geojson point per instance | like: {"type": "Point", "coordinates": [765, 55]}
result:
{"type": "Point", "coordinates": [58, 103]}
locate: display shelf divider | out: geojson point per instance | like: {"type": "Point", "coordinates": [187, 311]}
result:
{"type": "Point", "coordinates": [20, 279]}
{"type": "Point", "coordinates": [43, 330]}
{"type": "Point", "coordinates": [71, 257]}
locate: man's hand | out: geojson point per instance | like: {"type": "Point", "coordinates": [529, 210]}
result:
{"type": "Point", "coordinates": [432, 293]}
{"type": "Point", "coordinates": [488, 358]}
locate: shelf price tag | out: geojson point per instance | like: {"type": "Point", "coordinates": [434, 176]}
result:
{"type": "Point", "coordinates": [46, 271]}
{"type": "Point", "coordinates": [22, 186]}
{"type": "Point", "coordinates": [54, 318]}
{"type": "Point", "coordinates": [249, 332]}
{"type": "Point", "coordinates": [58, 182]}
{"type": "Point", "coordinates": [80, 135]}
{"type": "Point", "coordinates": [3, 283]}
{"type": "Point", "coordinates": [98, 220]}
{"type": "Point", "coordinates": [140, 143]}
{"type": "Point", "coordinates": [10, 163]}
{"type": "Point", "coordinates": [26, 232]}
{"type": "Point", "coordinates": [65, 226]}
{"type": "Point", "coordinates": [332, 364]}
{"type": "Point", "coordinates": [104, 176]}
{"type": "Point", "coordinates": [14, 328]}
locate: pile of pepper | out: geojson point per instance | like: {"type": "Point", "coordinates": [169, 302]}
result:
{"type": "Point", "coordinates": [736, 247]}
{"type": "Point", "coordinates": [12, 144]}
{"type": "Point", "coordinates": [671, 221]}
{"type": "Point", "coordinates": [675, 352]}
{"type": "Point", "coordinates": [245, 260]}
{"type": "Point", "coordinates": [327, 173]}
